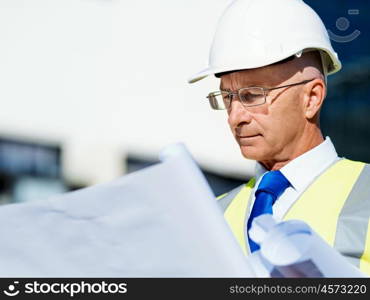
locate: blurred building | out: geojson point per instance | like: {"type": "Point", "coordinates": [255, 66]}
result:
{"type": "Point", "coordinates": [347, 107]}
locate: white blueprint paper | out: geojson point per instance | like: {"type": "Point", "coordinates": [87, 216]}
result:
{"type": "Point", "coordinates": [293, 249]}
{"type": "Point", "coordinates": [162, 221]}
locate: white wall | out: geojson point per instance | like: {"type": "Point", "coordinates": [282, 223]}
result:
{"type": "Point", "coordinates": [105, 77]}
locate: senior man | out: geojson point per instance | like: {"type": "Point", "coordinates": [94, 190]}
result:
{"type": "Point", "coordinates": [273, 58]}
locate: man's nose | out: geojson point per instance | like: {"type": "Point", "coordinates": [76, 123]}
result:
{"type": "Point", "coordinates": [238, 113]}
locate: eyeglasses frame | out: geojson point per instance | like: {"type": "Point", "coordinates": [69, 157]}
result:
{"type": "Point", "coordinates": [264, 89]}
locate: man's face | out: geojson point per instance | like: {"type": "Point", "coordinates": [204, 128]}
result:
{"type": "Point", "coordinates": [270, 131]}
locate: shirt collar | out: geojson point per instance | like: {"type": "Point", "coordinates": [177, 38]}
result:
{"type": "Point", "coordinates": [302, 170]}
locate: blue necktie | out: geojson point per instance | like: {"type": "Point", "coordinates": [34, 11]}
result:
{"type": "Point", "coordinates": [272, 185]}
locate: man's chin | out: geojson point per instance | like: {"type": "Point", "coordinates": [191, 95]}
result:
{"type": "Point", "coordinates": [253, 153]}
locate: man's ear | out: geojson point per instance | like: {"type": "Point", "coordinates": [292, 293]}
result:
{"type": "Point", "coordinates": [314, 95]}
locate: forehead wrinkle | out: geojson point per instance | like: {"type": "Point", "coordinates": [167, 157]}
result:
{"type": "Point", "coordinates": [275, 74]}
{"type": "Point", "coordinates": [263, 77]}
{"type": "Point", "coordinates": [237, 80]}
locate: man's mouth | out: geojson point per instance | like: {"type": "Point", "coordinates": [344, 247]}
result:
{"type": "Point", "coordinates": [247, 140]}
{"type": "Point", "coordinates": [247, 136]}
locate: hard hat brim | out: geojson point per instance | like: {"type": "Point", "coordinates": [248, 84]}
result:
{"type": "Point", "coordinates": [201, 75]}
{"type": "Point", "coordinates": [333, 63]}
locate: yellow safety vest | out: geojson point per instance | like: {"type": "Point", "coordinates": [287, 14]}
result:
{"type": "Point", "coordinates": [336, 205]}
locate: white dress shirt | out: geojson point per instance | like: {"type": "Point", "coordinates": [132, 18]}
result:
{"type": "Point", "coordinates": [300, 172]}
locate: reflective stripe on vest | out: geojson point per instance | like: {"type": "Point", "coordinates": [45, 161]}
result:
{"type": "Point", "coordinates": [342, 193]}
{"type": "Point", "coordinates": [353, 232]}
{"type": "Point", "coordinates": [236, 210]}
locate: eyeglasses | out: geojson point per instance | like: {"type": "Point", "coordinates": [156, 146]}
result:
{"type": "Point", "coordinates": [248, 96]}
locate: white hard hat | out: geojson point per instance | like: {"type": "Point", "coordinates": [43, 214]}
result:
{"type": "Point", "coordinates": [257, 33]}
